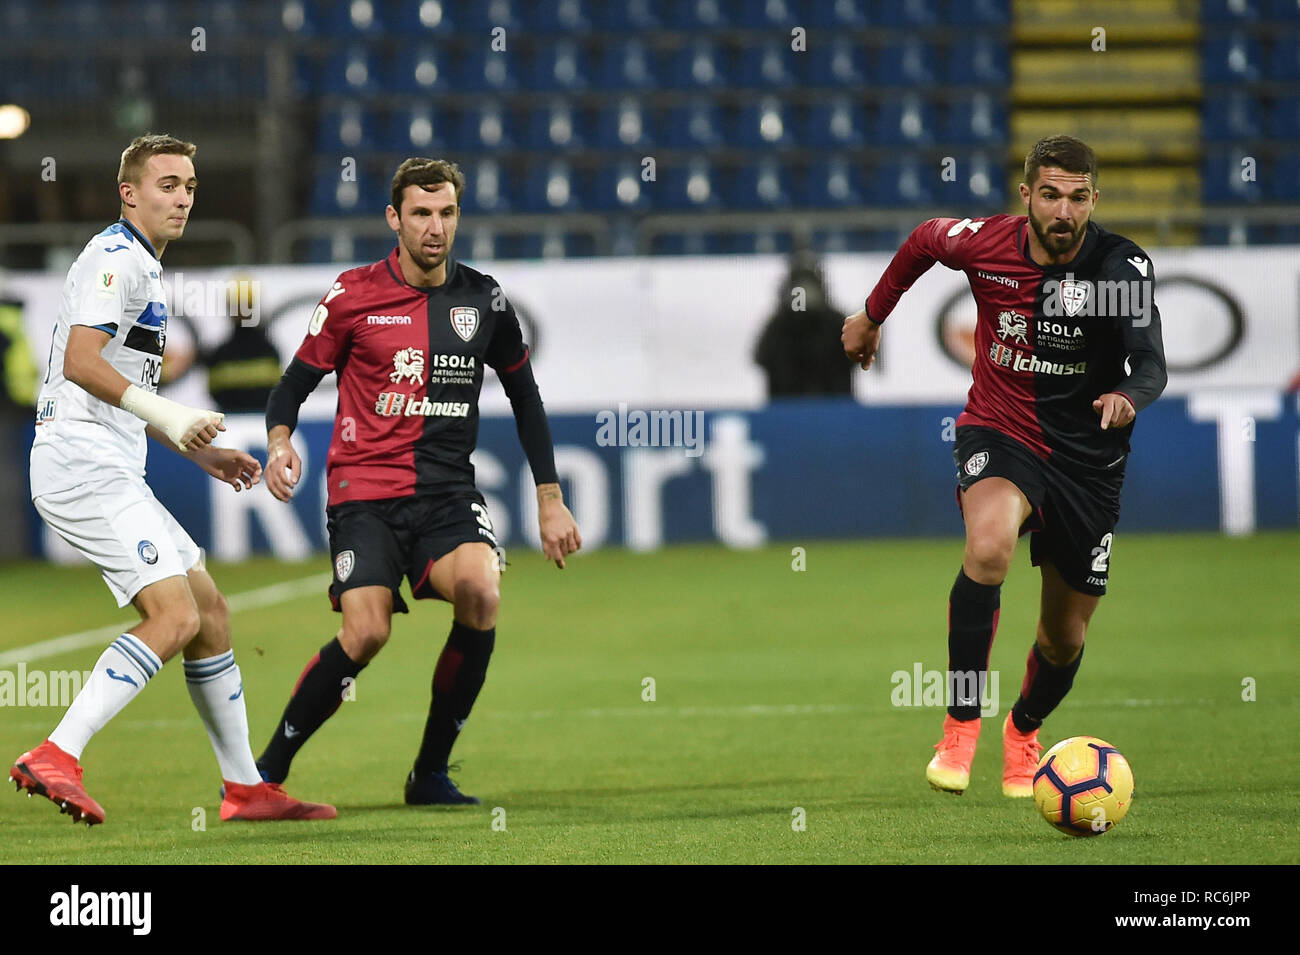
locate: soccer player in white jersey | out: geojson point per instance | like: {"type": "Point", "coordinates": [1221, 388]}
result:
{"type": "Point", "coordinates": [97, 404]}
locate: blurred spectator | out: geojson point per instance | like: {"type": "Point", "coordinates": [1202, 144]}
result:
{"type": "Point", "coordinates": [18, 390]}
{"type": "Point", "coordinates": [800, 346]}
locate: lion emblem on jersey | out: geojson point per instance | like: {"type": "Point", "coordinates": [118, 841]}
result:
{"type": "Point", "coordinates": [1015, 325]}
{"type": "Point", "coordinates": [408, 363]}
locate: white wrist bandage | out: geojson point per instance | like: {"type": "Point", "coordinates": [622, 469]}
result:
{"type": "Point", "coordinates": [175, 420]}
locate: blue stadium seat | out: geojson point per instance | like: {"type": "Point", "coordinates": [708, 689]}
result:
{"type": "Point", "coordinates": [355, 69]}
{"type": "Point", "coordinates": [483, 68]}
{"type": "Point", "coordinates": [302, 18]}
{"type": "Point", "coordinates": [904, 183]}
{"type": "Point", "coordinates": [488, 127]}
{"type": "Point", "coordinates": [909, 14]}
{"type": "Point", "coordinates": [558, 125]}
{"type": "Point", "coordinates": [20, 19]}
{"type": "Point", "coordinates": [332, 196]}
{"type": "Point", "coordinates": [977, 184]}
{"type": "Point", "coordinates": [414, 19]}
{"type": "Point", "coordinates": [905, 120]}
{"type": "Point", "coordinates": [980, 59]}
{"type": "Point", "coordinates": [840, 122]}
{"type": "Point", "coordinates": [698, 124]}
{"type": "Point", "coordinates": [423, 68]}
{"type": "Point", "coordinates": [629, 16]}
{"type": "Point", "coordinates": [87, 19]}
{"type": "Point", "coordinates": [557, 244]}
{"type": "Point", "coordinates": [691, 185]}
{"type": "Point", "coordinates": [911, 62]}
{"type": "Point", "coordinates": [1222, 180]}
{"type": "Point", "coordinates": [837, 14]}
{"type": "Point", "coordinates": [154, 18]}
{"type": "Point", "coordinates": [567, 17]}
{"type": "Point", "coordinates": [766, 184]}
{"type": "Point", "coordinates": [693, 16]}
{"type": "Point", "coordinates": [625, 126]}
{"type": "Point", "coordinates": [829, 241]}
{"type": "Point", "coordinates": [770, 64]}
{"type": "Point", "coordinates": [485, 188]}
{"type": "Point", "coordinates": [766, 124]}
{"type": "Point", "coordinates": [1231, 115]}
{"type": "Point", "coordinates": [552, 187]}
{"type": "Point", "coordinates": [1284, 118]}
{"type": "Point", "coordinates": [1238, 234]}
{"type": "Point", "coordinates": [1287, 234]}
{"type": "Point", "coordinates": [418, 130]}
{"type": "Point", "coordinates": [1285, 11]}
{"type": "Point", "coordinates": [978, 13]}
{"type": "Point", "coordinates": [979, 119]}
{"type": "Point", "coordinates": [1284, 64]}
{"type": "Point", "coordinates": [1231, 11]}
{"type": "Point", "coordinates": [844, 64]}
{"type": "Point", "coordinates": [701, 65]}
{"type": "Point", "coordinates": [560, 65]}
{"type": "Point", "coordinates": [833, 182]}
{"type": "Point", "coordinates": [620, 186]}
{"type": "Point", "coordinates": [682, 243]}
{"type": "Point", "coordinates": [483, 16]}
{"type": "Point", "coordinates": [353, 18]}
{"type": "Point", "coordinates": [781, 15]}
{"type": "Point", "coordinates": [345, 129]}
{"type": "Point", "coordinates": [763, 242]}
{"type": "Point", "coordinates": [1286, 178]}
{"type": "Point", "coordinates": [217, 76]}
{"type": "Point", "coordinates": [629, 65]}
{"type": "Point", "coordinates": [1231, 58]}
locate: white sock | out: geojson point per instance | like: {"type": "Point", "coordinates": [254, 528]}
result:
{"type": "Point", "coordinates": [119, 674]}
{"type": "Point", "coordinates": [217, 690]}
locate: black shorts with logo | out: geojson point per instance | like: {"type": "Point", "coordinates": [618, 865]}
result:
{"type": "Point", "coordinates": [1075, 511]}
{"type": "Point", "coordinates": [376, 543]}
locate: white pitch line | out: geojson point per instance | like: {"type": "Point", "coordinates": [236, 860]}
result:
{"type": "Point", "coordinates": [248, 600]}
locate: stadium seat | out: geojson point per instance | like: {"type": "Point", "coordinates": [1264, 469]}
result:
{"type": "Point", "coordinates": [217, 76]}
{"type": "Point", "coordinates": [1284, 64]}
{"type": "Point", "coordinates": [556, 244]}
{"type": "Point", "coordinates": [694, 16]}
{"type": "Point", "coordinates": [840, 122]}
{"type": "Point", "coordinates": [629, 65]}
{"type": "Point", "coordinates": [781, 15]}
{"type": "Point", "coordinates": [976, 186]}
{"type": "Point", "coordinates": [691, 185]}
{"type": "Point", "coordinates": [334, 196]}
{"type": "Point", "coordinates": [625, 126]}
{"type": "Point", "coordinates": [21, 19]}
{"type": "Point", "coordinates": [838, 14]}
{"type": "Point", "coordinates": [1231, 11]}
{"type": "Point", "coordinates": [768, 123]}
{"type": "Point", "coordinates": [1284, 118]}
{"type": "Point", "coordinates": [845, 64]}
{"type": "Point", "coordinates": [979, 119]}
{"type": "Point", "coordinates": [552, 187]}
{"type": "Point", "coordinates": [557, 125]}
{"type": "Point", "coordinates": [763, 242]}
{"type": "Point", "coordinates": [567, 17]}
{"type": "Point", "coordinates": [1222, 177]}
{"type": "Point", "coordinates": [1286, 178]}
{"type": "Point", "coordinates": [424, 68]}
{"type": "Point", "coordinates": [911, 62]}
{"type": "Point", "coordinates": [833, 182]}
{"type": "Point", "coordinates": [765, 184]}
{"type": "Point", "coordinates": [485, 188]}
{"type": "Point", "coordinates": [482, 17]}
{"type": "Point", "coordinates": [700, 65]}
{"type": "Point", "coordinates": [697, 124]}
{"type": "Point", "coordinates": [905, 120]}
{"type": "Point", "coordinates": [1231, 115]}
{"type": "Point", "coordinates": [345, 129]}
{"type": "Point", "coordinates": [353, 70]}
{"type": "Point", "coordinates": [418, 130]}
{"type": "Point", "coordinates": [629, 16]}
{"type": "Point", "coordinates": [978, 13]}
{"type": "Point", "coordinates": [483, 68]}
{"type": "Point", "coordinates": [828, 241]}
{"type": "Point", "coordinates": [85, 19]}
{"type": "Point", "coordinates": [1286, 11]}
{"type": "Point", "coordinates": [412, 19]}
{"type": "Point", "coordinates": [488, 126]}
{"type": "Point", "coordinates": [621, 186]}
{"type": "Point", "coordinates": [559, 65]}
{"type": "Point", "coordinates": [909, 14]}
{"type": "Point", "coordinates": [904, 183]}
{"type": "Point", "coordinates": [154, 18]}
{"type": "Point", "coordinates": [770, 64]}
{"type": "Point", "coordinates": [1231, 58]}
{"type": "Point", "coordinates": [682, 243]}
{"type": "Point", "coordinates": [1238, 234]}
{"type": "Point", "coordinates": [352, 18]}
{"type": "Point", "coordinates": [977, 60]}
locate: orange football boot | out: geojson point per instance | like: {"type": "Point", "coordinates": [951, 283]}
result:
{"type": "Point", "coordinates": [268, 801]}
{"type": "Point", "coordinates": [50, 772]}
{"type": "Point", "coordinates": [1019, 760]}
{"type": "Point", "coordinates": [949, 771]}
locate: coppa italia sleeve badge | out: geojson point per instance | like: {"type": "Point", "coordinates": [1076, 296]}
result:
{"type": "Point", "coordinates": [464, 320]}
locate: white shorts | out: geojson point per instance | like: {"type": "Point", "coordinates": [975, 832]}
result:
{"type": "Point", "coordinates": [124, 530]}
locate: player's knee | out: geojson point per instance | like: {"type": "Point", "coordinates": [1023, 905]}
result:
{"type": "Point", "coordinates": [477, 600]}
{"type": "Point", "coordinates": [363, 639]}
{"type": "Point", "coordinates": [1061, 641]}
{"type": "Point", "coordinates": [989, 557]}
{"type": "Point", "coordinates": [215, 613]}
{"type": "Point", "coordinates": [182, 625]}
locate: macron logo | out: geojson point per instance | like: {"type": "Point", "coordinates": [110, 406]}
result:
{"type": "Point", "coordinates": [75, 907]}
{"type": "Point", "coordinates": [1138, 263]}
{"type": "Point", "coordinates": [388, 319]}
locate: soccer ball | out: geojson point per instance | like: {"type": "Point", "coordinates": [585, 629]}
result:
{"type": "Point", "coordinates": [1083, 786]}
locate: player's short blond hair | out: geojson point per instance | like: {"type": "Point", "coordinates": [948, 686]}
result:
{"type": "Point", "coordinates": [428, 174]}
{"type": "Point", "coordinates": [1061, 152]}
{"type": "Point", "coordinates": [136, 156]}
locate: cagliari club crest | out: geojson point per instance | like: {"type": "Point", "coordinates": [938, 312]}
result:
{"type": "Point", "coordinates": [343, 564]}
{"type": "Point", "coordinates": [465, 321]}
{"type": "Point", "coordinates": [1074, 295]}
{"type": "Point", "coordinates": [976, 462]}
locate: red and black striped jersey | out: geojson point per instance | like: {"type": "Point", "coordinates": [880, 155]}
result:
{"type": "Point", "coordinates": [1050, 339]}
{"type": "Point", "coordinates": [410, 367]}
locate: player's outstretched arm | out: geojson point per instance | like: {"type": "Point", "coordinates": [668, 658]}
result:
{"type": "Point", "coordinates": [560, 534]}
{"type": "Point", "coordinates": [231, 466]}
{"type": "Point", "coordinates": [861, 338]}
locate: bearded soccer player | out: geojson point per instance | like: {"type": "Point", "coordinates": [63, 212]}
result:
{"type": "Point", "coordinates": [408, 338]}
{"type": "Point", "coordinates": [1067, 353]}
{"type": "Point", "coordinates": [96, 405]}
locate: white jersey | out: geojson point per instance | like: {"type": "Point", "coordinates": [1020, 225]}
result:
{"type": "Point", "coordinates": [116, 286]}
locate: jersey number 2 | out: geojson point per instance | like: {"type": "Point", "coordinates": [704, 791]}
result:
{"type": "Point", "coordinates": [1101, 555]}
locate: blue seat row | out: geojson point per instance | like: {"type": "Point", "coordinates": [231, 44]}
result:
{"type": "Point", "coordinates": [1240, 56]}
{"type": "Point", "coordinates": [1238, 114]}
{"type": "Point", "coordinates": [1237, 176]}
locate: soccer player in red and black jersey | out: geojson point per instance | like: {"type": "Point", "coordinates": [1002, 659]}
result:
{"type": "Point", "coordinates": [408, 338]}
{"type": "Point", "coordinates": [1067, 352]}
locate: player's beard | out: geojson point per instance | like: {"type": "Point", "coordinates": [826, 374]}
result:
{"type": "Point", "coordinates": [424, 262]}
{"type": "Point", "coordinates": [1056, 243]}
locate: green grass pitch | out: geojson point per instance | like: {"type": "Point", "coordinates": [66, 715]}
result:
{"type": "Point", "coordinates": [772, 694]}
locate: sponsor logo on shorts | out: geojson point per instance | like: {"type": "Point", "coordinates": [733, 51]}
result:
{"type": "Point", "coordinates": [1097, 581]}
{"type": "Point", "coordinates": [148, 553]}
{"type": "Point", "coordinates": [977, 462]}
{"type": "Point", "coordinates": [343, 565]}
{"type": "Point", "coordinates": [388, 319]}
{"type": "Point", "coordinates": [464, 320]}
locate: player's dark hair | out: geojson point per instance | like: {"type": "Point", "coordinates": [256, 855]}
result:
{"type": "Point", "coordinates": [428, 174]}
{"type": "Point", "coordinates": [1062, 152]}
{"type": "Point", "coordinates": [136, 155]}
